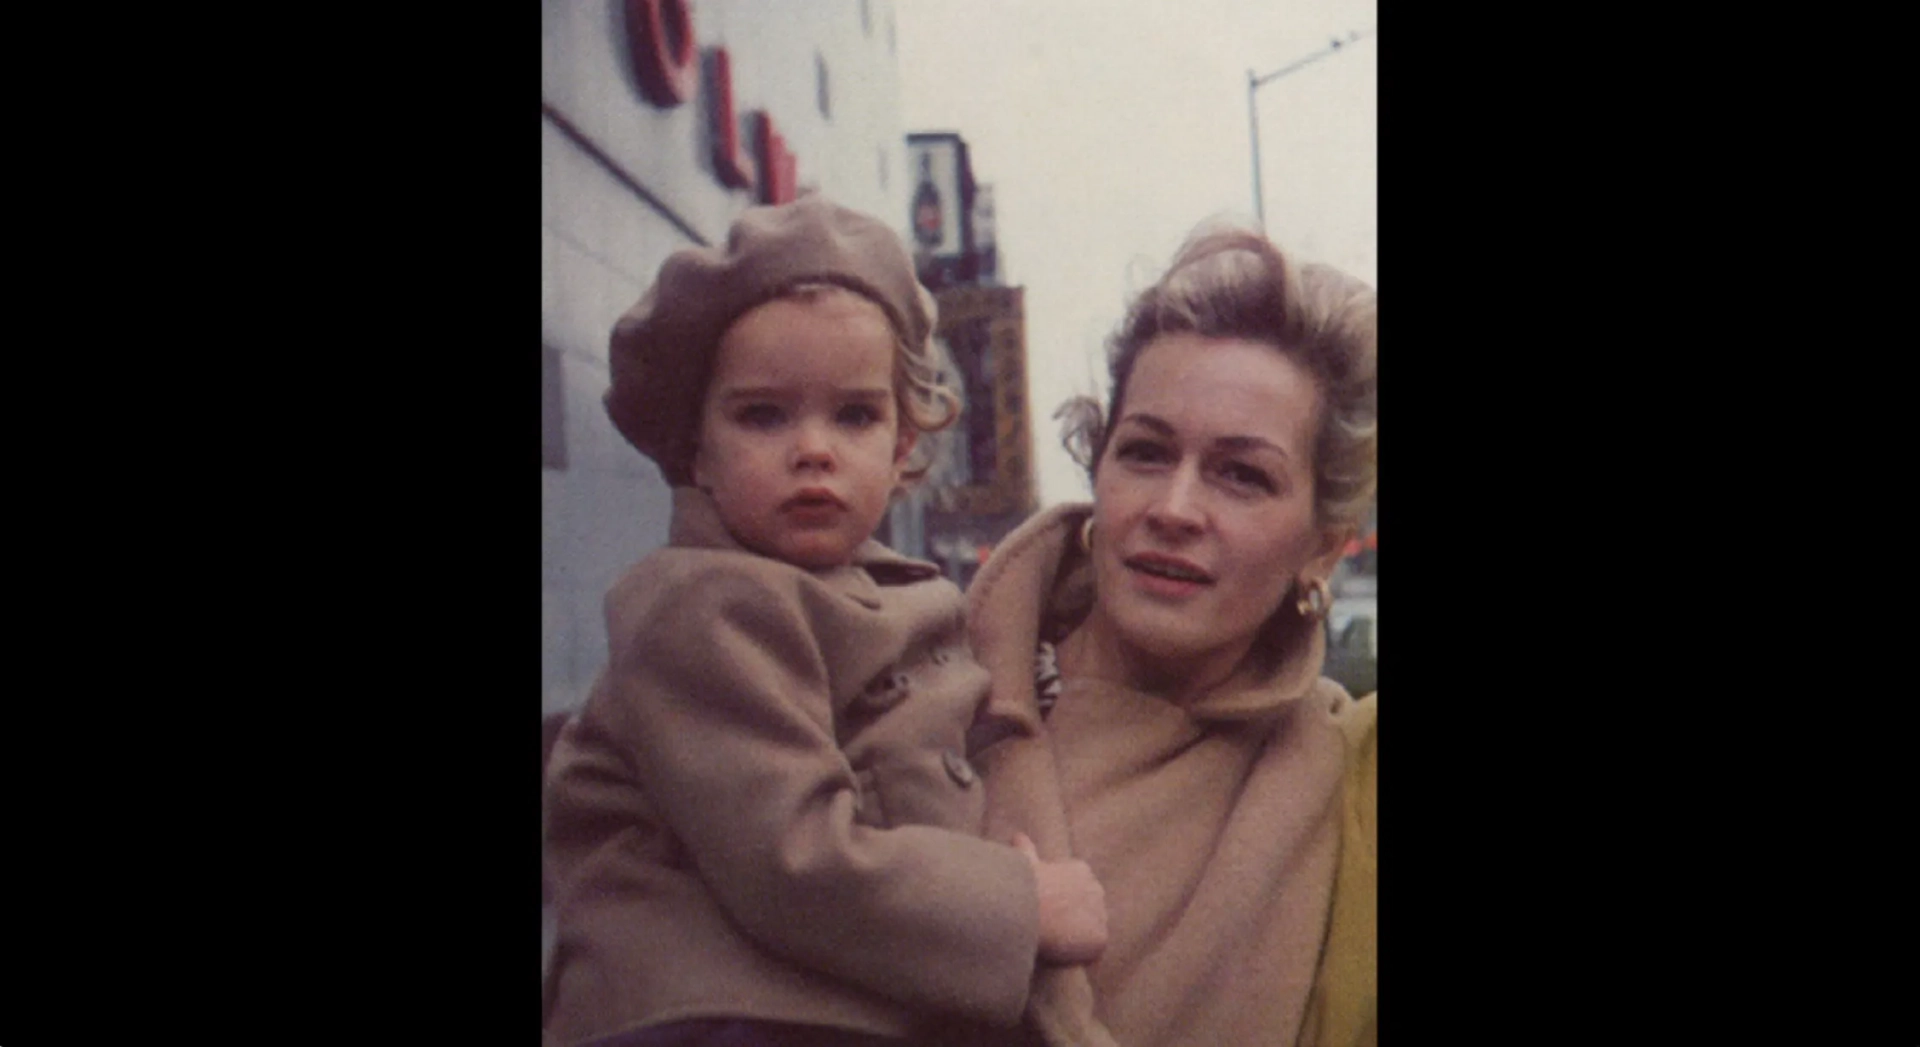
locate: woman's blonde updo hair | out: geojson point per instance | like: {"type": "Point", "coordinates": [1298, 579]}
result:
{"type": "Point", "coordinates": [1234, 283]}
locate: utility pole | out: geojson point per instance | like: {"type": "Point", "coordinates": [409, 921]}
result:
{"type": "Point", "coordinates": [1253, 114]}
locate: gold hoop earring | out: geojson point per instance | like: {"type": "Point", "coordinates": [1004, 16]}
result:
{"type": "Point", "coordinates": [1086, 536]}
{"type": "Point", "coordinates": [1314, 598]}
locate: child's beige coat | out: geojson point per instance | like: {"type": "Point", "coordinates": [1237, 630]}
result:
{"type": "Point", "coordinates": [765, 808]}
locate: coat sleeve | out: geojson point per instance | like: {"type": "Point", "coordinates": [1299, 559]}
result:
{"type": "Point", "coordinates": [721, 695]}
{"type": "Point", "coordinates": [1023, 784]}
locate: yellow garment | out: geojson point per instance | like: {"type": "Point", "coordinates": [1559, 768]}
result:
{"type": "Point", "coordinates": [1345, 1008]}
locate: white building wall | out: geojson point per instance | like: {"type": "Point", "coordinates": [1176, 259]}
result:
{"type": "Point", "coordinates": [601, 243]}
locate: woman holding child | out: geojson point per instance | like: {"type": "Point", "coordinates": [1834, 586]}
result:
{"type": "Point", "coordinates": [798, 810]}
{"type": "Point", "coordinates": [1177, 735]}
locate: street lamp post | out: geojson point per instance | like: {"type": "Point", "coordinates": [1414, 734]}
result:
{"type": "Point", "coordinates": [1253, 114]}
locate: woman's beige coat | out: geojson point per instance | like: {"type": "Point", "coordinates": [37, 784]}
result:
{"type": "Point", "coordinates": [765, 810]}
{"type": "Point", "coordinates": [1234, 837]}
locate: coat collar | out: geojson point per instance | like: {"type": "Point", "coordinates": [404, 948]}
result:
{"type": "Point", "coordinates": [1038, 585]}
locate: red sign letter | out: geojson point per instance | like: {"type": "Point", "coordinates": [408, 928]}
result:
{"type": "Point", "coordinates": [660, 38]}
{"type": "Point", "coordinates": [734, 170]}
{"type": "Point", "coordinates": [780, 181]}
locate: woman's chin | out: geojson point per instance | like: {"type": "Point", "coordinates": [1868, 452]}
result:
{"type": "Point", "coordinates": [1173, 634]}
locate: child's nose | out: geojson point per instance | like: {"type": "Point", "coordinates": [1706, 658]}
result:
{"type": "Point", "coordinates": [812, 447]}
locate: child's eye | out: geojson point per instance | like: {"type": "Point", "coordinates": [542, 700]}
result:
{"type": "Point", "coordinates": [759, 416]}
{"type": "Point", "coordinates": [1144, 452]}
{"type": "Point", "coordinates": [858, 416]}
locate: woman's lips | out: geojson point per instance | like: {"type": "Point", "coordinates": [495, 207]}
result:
{"type": "Point", "coordinates": [1167, 575]}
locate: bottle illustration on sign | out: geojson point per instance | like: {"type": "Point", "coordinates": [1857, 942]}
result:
{"type": "Point", "coordinates": [928, 222]}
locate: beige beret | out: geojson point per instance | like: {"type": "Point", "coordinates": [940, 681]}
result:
{"type": "Point", "coordinates": [661, 353]}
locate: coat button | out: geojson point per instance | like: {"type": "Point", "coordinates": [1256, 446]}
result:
{"type": "Point", "coordinates": [958, 768]}
{"type": "Point", "coordinates": [886, 691]}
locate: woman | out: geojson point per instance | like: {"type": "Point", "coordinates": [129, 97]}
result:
{"type": "Point", "coordinates": [1177, 735]}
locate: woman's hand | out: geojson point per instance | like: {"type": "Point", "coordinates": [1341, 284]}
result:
{"type": "Point", "coordinates": [1073, 907]}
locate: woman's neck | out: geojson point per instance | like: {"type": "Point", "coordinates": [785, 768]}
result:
{"type": "Point", "coordinates": [1096, 651]}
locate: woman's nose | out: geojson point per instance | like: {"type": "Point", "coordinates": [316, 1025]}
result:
{"type": "Point", "coordinates": [1177, 506]}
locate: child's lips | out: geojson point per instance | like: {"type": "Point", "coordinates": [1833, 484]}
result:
{"type": "Point", "coordinates": [813, 500]}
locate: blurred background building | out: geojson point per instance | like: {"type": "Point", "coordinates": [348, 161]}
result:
{"type": "Point", "coordinates": [1353, 622]}
{"type": "Point", "coordinates": [984, 485]}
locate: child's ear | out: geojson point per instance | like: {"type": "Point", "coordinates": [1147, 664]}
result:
{"type": "Point", "coordinates": [903, 446]}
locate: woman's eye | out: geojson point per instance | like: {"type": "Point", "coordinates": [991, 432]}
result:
{"type": "Point", "coordinates": [759, 416]}
{"type": "Point", "coordinates": [858, 416]}
{"type": "Point", "coordinates": [1143, 452]}
{"type": "Point", "coordinates": [1240, 474]}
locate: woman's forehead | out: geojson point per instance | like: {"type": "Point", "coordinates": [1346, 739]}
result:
{"type": "Point", "coordinates": [1222, 389]}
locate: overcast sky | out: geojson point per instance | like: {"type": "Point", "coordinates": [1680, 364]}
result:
{"type": "Point", "coordinates": [1110, 128]}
